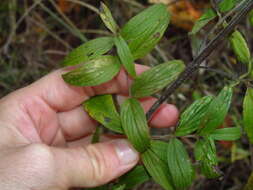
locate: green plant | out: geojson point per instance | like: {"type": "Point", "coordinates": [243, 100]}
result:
{"type": "Point", "coordinates": [167, 162]}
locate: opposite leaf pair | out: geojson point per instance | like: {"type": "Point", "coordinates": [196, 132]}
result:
{"type": "Point", "coordinates": [136, 39]}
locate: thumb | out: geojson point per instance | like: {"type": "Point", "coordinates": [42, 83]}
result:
{"type": "Point", "coordinates": [95, 164]}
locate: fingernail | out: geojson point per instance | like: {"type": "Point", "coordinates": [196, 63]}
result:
{"type": "Point", "coordinates": [125, 151]}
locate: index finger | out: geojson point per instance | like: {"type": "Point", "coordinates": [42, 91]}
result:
{"type": "Point", "coordinates": [63, 97]}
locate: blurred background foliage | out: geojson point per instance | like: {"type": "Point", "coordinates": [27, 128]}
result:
{"type": "Point", "coordinates": [35, 35]}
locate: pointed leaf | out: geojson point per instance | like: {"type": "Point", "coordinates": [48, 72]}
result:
{"type": "Point", "coordinates": [217, 111]}
{"type": "Point", "coordinates": [102, 109]}
{"type": "Point", "coordinates": [156, 78]}
{"type": "Point", "coordinates": [179, 164]}
{"type": "Point", "coordinates": [248, 113]}
{"type": "Point", "coordinates": [125, 55]}
{"type": "Point", "coordinates": [135, 177]}
{"type": "Point", "coordinates": [94, 72]}
{"type": "Point", "coordinates": [106, 16]}
{"type": "Point", "coordinates": [205, 153]}
{"type": "Point", "coordinates": [240, 47]}
{"type": "Point", "coordinates": [190, 119]}
{"type": "Point", "coordinates": [88, 51]}
{"type": "Point", "coordinates": [134, 123]}
{"type": "Point", "coordinates": [157, 169]}
{"type": "Point", "coordinates": [146, 29]}
{"type": "Point", "coordinates": [208, 15]}
{"type": "Point", "coordinates": [227, 134]}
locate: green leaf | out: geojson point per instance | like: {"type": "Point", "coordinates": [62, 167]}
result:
{"type": "Point", "coordinates": [125, 55]}
{"type": "Point", "coordinates": [134, 123]}
{"type": "Point", "coordinates": [227, 134]}
{"type": "Point", "coordinates": [160, 149]}
{"type": "Point", "coordinates": [240, 47]}
{"type": "Point", "coordinates": [251, 17]}
{"type": "Point", "coordinates": [208, 15]}
{"type": "Point", "coordinates": [205, 153]}
{"type": "Point", "coordinates": [135, 177]}
{"type": "Point", "coordinates": [190, 119]}
{"type": "Point", "coordinates": [157, 169]}
{"type": "Point", "coordinates": [179, 164]}
{"type": "Point", "coordinates": [119, 187]}
{"type": "Point", "coordinates": [227, 5]}
{"type": "Point", "coordinates": [106, 16]}
{"type": "Point", "coordinates": [248, 113]}
{"type": "Point", "coordinates": [102, 109]}
{"type": "Point", "coordinates": [216, 111]}
{"type": "Point", "coordinates": [88, 51]}
{"type": "Point", "coordinates": [146, 29]}
{"type": "Point", "coordinates": [156, 78]}
{"type": "Point", "coordinates": [94, 72]}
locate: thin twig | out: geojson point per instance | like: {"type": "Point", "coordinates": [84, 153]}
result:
{"type": "Point", "coordinates": [225, 74]}
{"type": "Point", "coordinates": [71, 24]}
{"type": "Point", "coordinates": [12, 33]}
{"type": "Point", "coordinates": [88, 6]}
{"type": "Point", "coordinates": [194, 65]}
{"type": "Point", "coordinates": [50, 32]}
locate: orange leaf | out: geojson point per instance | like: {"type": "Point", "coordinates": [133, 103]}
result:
{"type": "Point", "coordinates": [184, 13]}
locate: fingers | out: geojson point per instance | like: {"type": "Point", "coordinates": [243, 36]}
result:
{"type": "Point", "coordinates": [63, 97]}
{"type": "Point", "coordinates": [77, 123]}
{"type": "Point", "coordinates": [166, 115]}
{"type": "Point", "coordinates": [96, 164]}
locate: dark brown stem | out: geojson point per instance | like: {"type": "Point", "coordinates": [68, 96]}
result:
{"type": "Point", "coordinates": [194, 65]}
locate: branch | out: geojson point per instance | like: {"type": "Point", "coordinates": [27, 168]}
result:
{"type": "Point", "coordinates": [194, 65]}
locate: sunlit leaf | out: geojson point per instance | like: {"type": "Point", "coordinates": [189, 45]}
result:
{"type": "Point", "coordinates": [227, 5]}
{"type": "Point", "coordinates": [157, 169]}
{"type": "Point", "coordinates": [107, 18]}
{"type": "Point", "coordinates": [156, 78]}
{"type": "Point", "coordinates": [240, 47]}
{"type": "Point", "coordinates": [134, 123]}
{"type": "Point", "coordinates": [217, 111]}
{"type": "Point", "coordinates": [190, 119]}
{"type": "Point", "coordinates": [145, 30]}
{"type": "Point", "coordinates": [179, 164]}
{"type": "Point", "coordinates": [94, 72]}
{"type": "Point", "coordinates": [227, 134]}
{"type": "Point", "coordinates": [248, 113]}
{"type": "Point", "coordinates": [125, 55]}
{"type": "Point", "coordinates": [102, 109]}
{"type": "Point", "coordinates": [135, 177]}
{"type": "Point", "coordinates": [88, 51]}
{"type": "Point", "coordinates": [205, 153]}
{"type": "Point", "coordinates": [207, 16]}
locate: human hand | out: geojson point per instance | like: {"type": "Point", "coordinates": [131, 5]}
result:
{"type": "Point", "coordinates": [45, 142]}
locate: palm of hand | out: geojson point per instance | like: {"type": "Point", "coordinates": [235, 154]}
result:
{"type": "Point", "coordinates": [48, 112]}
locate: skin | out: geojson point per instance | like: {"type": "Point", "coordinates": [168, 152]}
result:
{"type": "Point", "coordinates": [45, 135]}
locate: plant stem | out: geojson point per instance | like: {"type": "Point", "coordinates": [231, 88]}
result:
{"type": "Point", "coordinates": [194, 65]}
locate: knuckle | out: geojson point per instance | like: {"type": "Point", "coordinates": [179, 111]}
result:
{"type": "Point", "coordinates": [98, 163]}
